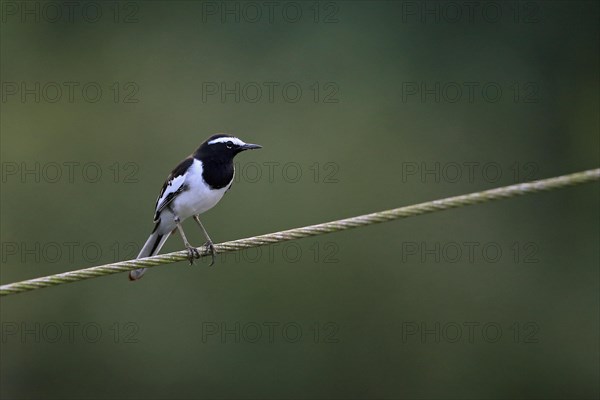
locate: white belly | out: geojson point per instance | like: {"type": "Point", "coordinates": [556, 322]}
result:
{"type": "Point", "coordinates": [198, 198]}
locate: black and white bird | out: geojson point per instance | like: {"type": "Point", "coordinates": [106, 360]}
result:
{"type": "Point", "coordinates": [195, 186]}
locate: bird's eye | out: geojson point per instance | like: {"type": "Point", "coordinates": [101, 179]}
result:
{"type": "Point", "coordinates": [229, 145]}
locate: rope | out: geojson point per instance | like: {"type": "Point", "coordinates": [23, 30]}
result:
{"type": "Point", "coordinates": [307, 231]}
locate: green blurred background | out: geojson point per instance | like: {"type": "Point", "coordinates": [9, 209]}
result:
{"type": "Point", "coordinates": [383, 311]}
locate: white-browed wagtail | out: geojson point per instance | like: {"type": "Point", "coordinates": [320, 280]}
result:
{"type": "Point", "coordinates": [196, 185]}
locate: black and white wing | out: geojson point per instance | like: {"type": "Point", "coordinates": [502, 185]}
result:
{"type": "Point", "coordinates": [174, 185]}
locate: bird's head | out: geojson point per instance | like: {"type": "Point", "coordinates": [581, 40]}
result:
{"type": "Point", "coordinates": [224, 146]}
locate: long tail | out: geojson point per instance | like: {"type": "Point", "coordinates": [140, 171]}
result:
{"type": "Point", "coordinates": [153, 245]}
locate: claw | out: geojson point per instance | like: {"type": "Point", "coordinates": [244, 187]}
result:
{"type": "Point", "coordinates": [192, 254]}
{"type": "Point", "coordinates": [211, 248]}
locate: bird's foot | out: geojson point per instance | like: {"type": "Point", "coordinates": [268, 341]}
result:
{"type": "Point", "coordinates": [192, 254]}
{"type": "Point", "coordinates": [211, 248]}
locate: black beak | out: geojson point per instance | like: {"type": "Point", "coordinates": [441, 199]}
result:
{"type": "Point", "coordinates": [250, 146]}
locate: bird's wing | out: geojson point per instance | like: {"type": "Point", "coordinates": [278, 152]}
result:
{"type": "Point", "coordinates": [174, 185]}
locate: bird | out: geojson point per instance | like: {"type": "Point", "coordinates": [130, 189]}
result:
{"type": "Point", "coordinates": [194, 186]}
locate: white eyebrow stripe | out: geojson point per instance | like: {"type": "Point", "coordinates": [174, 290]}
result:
{"type": "Point", "coordinates": [234, 140]}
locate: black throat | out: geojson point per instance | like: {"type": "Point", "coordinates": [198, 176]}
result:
{"type": "Point", "coordinates": [217, 171]}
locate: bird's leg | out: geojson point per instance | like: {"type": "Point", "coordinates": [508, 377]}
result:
{"type": "Point", "coordinates": [209, 244]}
{"type": "Point", "coordinates": [192, 251]}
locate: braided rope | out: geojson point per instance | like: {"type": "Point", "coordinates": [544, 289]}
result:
{"type": "Point", "coordinates": [312, 230]}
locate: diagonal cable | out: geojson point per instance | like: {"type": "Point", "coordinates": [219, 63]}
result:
{"type": "Point", "coordinates": [312, 230]}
